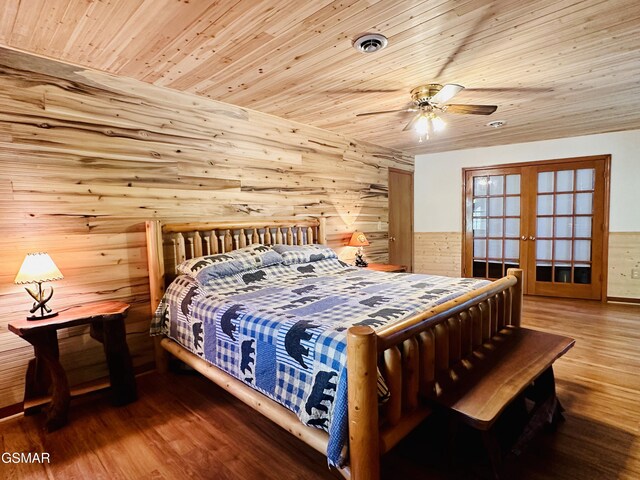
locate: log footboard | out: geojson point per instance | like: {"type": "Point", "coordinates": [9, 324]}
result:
{"type": "Point", "coordinates": [416, 357]}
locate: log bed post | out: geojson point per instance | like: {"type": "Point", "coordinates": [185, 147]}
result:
{"type": "Point", "coordinates": [517, 296]}
{"type": "Point", "coordinates": [155, 259]}
{"type": "Point", "coordinates": [364, 446]}
{"type": "Point", "coordinates": [322, 231]}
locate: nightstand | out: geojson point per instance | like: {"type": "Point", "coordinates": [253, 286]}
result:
{"type": "Point", "coordinates": [106, 320]}
{"type": "Point", "coordinates": [386, 267]}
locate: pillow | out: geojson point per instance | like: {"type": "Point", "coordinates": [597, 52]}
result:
{"type": "Point", "coordinates": [225, 264]}
{"type": "Point", "coordinates": [292, 254]}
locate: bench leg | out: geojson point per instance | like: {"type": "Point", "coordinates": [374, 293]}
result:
{"type": "Point", "coordinates": [555, 416]}
{"type": "Point", "coordinates": [548, 387]}
{"type": "Point", "coordinates": [547, 411]}
{"type": "Point", "coordinates": [452, 432]}
{"type": "Point", "coordinates": [494, 450]}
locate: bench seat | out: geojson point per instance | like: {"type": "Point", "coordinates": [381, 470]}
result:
{"type": "Point", "coordinates": [485, 383]}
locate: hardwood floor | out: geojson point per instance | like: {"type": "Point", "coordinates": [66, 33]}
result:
{"type": "Point", "coordinates": [598, 383]}
{"type": "Point", "coordinates": [183, 426]}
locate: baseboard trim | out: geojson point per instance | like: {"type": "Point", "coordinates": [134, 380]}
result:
{"type": "Point", "coordinates": [623, 300]}
{"type": "Point", "coordinates": [10, 410]}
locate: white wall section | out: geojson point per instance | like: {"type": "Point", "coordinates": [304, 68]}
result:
{"type": "Point", "coordinates": [438, 176]}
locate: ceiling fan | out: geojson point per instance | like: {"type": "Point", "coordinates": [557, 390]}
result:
{"type": "Point", "coordinates": [431, 98]}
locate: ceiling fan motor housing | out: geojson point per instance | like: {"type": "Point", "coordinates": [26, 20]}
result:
{"type": "Point", "coordinates": [422, 94]}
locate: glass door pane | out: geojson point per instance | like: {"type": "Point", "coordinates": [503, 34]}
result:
{"type": "Point", "coordinates": [495, 218]}
{"type": "Point", "coordinates": [564, 219]}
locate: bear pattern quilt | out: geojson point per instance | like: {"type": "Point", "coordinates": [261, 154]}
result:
{"type": "Point", "coordinates": [281, 329]}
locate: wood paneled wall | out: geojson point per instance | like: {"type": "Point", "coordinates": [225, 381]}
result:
{"type": "Point", "coordinates": [440, 253]}
{"type": "Point", "coordinates": [85, 157]}
{"type": "Point", "coordinates": [437, 253]}
{"type": "Point", "coordinates": [624, 256]}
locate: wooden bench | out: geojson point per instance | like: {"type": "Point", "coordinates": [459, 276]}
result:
{"type": "Point", "coordinates": [516, 361]}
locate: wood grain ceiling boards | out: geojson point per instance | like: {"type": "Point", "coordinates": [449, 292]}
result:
{"type": "Point", "coordinates": [556, 68]}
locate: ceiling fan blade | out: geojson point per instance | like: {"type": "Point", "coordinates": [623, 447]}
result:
{"type": "Point", "coordinates": [363, 90]}
{"type": "Point", "coordinates": [510, 89]}
{"type": "Point", "coordinates": [476, 27]}
{"type": "Point", "coordinates": [446, 93]}
{"type": "Point", "coordinates": [470, 109]}
{"type": "Point", "coordinates": [387, 111]}
{"type": "Point", "coordinates": [412, 122]}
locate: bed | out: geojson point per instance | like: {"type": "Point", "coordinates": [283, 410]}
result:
{"type": "Point", "coordinates": [408, 352]}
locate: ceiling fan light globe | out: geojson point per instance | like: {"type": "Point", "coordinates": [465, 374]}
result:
{"type": "Point", "coordinates": [422, 125]}
{"type": "Point", "coordinates": [438, 124]}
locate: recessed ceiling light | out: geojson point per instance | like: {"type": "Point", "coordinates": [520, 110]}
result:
{"type": "Point", "coordinates": [370, 43]}
{"type": "Point", "coordinates": [497, 123]}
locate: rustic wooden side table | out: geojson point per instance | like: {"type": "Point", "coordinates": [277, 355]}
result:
{"type": "Point", "coordinates": [386, 267]}
{"type": "Point", "coordinates": [106, 320]}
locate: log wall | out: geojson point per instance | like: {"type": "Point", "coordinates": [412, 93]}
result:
{"type": "Point", "coordinates": [86, 157]}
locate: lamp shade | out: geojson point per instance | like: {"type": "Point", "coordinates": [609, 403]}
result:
{"type": "Point", "coordinates": [358, 239]}
{"type": "Point", "coordinates": [36, 268]}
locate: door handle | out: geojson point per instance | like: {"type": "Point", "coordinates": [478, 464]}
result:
{"type": "Point", "coordinates": [392, 239]}
{"type": "Point", "coordinates": [524, 238]}
{"type": "Point", "coordinates": [532, 238]}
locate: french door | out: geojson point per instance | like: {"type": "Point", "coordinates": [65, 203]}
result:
{"type": "Point", "coordinates": [548, 218]}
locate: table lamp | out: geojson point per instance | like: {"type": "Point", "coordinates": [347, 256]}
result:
{"type": "Point", "coordinates": [358, 239]}
{"type": "Point", "coordinates": [38, 268]}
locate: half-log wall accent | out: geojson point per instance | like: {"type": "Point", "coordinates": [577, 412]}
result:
{"type": "Point", "coordinates": [86, 157]}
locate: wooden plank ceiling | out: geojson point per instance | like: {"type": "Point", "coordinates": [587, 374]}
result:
{"type": "Point", "coordinates": [555, 68]}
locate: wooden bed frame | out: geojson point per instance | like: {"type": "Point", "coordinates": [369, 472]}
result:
{"type": "Point", "coordinates": [415, 355]}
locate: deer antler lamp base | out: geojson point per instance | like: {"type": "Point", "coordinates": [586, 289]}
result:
{"type": "Point", "coordinates": [40, 309]}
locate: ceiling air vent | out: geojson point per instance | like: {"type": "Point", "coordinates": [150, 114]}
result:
{"type": "Point", "coordinates": [370, 43]}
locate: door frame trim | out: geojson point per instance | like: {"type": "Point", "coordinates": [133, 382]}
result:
{"type": "Point", "coordinates": [413, 198]}
{"type": "Point", "coordinates": [606, 213]}
{"type": "Point", "coordinates": [605, 225]}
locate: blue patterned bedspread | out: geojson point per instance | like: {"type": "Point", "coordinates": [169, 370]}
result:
{"type": "Point", "coordinates": [282, 329]}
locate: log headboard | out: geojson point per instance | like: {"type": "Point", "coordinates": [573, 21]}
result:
{"type": "Point", "coordinates": [170, 244]}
